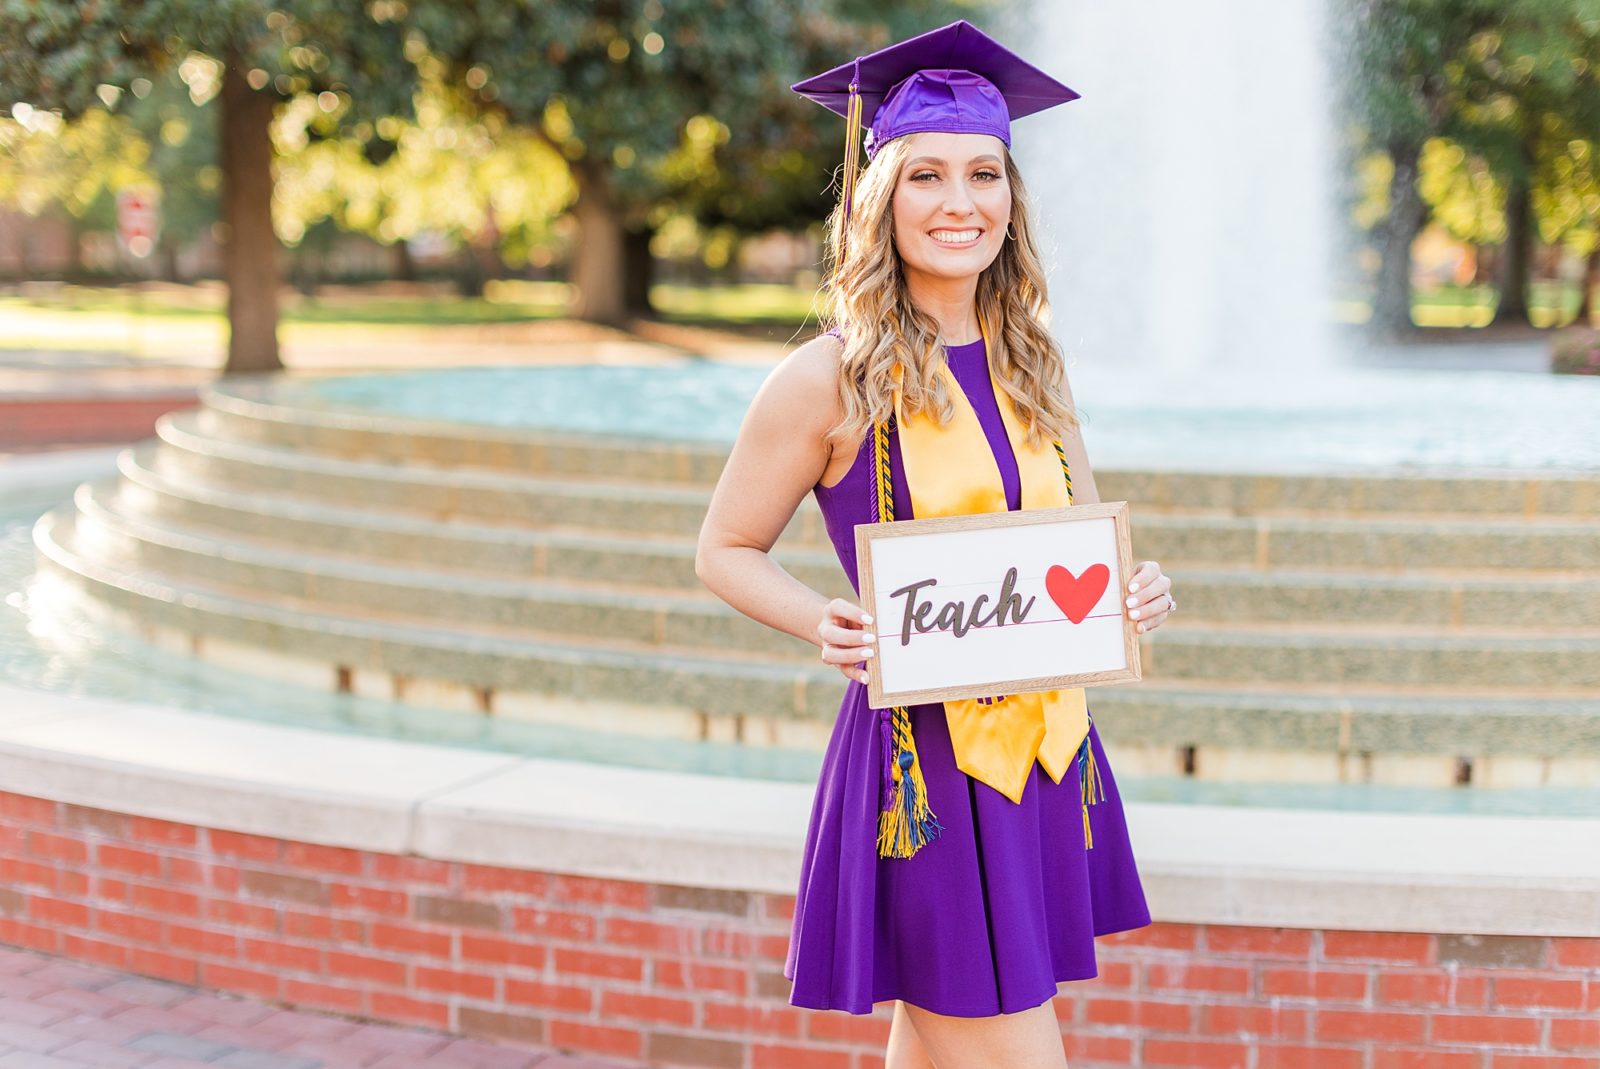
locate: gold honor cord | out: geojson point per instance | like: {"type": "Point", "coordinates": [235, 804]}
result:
{"type": "Point", "coordinates": [1090, 786]}
{"type": "Point", "coordinates": [905, 821]}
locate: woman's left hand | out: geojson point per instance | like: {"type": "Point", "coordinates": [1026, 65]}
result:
{"type": "Point", "coordinates": [1149, 600]}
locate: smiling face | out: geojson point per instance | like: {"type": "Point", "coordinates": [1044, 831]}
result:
{"type": "Point", "coordinates": [952, 203]}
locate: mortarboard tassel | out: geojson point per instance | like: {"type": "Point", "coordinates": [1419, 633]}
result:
{"type": "Point", "coordinates": [905, 821]}
{"type": "Point", "coordinates": [852, 153]}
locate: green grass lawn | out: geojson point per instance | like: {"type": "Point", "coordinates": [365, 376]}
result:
{"type": "Point", "coordinates": [1549, 304]}
{"type": "Point", "coordinates": [749, 303]}
{"type": "Point", "coordinates": [506, 302]}
{"type": "Point", "coordinates": [156, 315]}
{"type": "Point", "coordinates": [76, 317]}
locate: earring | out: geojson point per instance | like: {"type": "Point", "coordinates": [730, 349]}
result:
{"type": "Point", "coordinates": [1011, 233]}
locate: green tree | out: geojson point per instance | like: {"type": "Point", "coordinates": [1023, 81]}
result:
{"type": "Point", "coordinates": [1508, 81]}
{"type": "Point", "coordinates": [70, 57]}
{"type": "Point", "coordinates": [779, 179]}
{"type": "Point", "coordinates": [661, 108]}
{"type": "Point", "coordinates": [1567, 202]}
{"type": "Point", "coordinates": [48, 164]}
{"type": "Point", "coordinates": [1401, 93]}
{"type": "Point", "coordinates": [170, 114]}
{"type": "Point", "coordinates": [492, 190]}
{"type": "Point", "coordinates": [1529, 88]}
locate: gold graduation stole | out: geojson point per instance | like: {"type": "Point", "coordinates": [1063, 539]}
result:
{"type": "Point", "coordinates": [951, 471]}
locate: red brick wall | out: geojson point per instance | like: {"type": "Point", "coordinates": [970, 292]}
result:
{"type": "Point", "coordinates": [34, 422]}
{"type": "Point", "coordinates": [691, 976]}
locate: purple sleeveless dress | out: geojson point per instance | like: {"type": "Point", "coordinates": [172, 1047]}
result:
{"type": "Point", "coordinates": [1005, 903]}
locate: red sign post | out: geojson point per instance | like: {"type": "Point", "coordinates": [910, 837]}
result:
{"type": "Point", "coordinates": [138, 221]}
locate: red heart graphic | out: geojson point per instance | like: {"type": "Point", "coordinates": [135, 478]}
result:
{"type": "Point", "coordinates": [1076, 595]}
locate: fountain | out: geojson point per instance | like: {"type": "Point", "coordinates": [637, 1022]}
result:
{"type": "Point", "coordinates": [1189, 192]}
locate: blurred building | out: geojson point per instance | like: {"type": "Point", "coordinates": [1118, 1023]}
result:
{"type": "Point", "coordinates": [33, 246]}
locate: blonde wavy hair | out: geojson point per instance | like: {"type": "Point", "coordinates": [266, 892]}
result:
{"type": "Point", "coordinates": [866, 300]}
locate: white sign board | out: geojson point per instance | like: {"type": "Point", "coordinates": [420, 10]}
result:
{"type": "Point", "coordinates": [999, 603]}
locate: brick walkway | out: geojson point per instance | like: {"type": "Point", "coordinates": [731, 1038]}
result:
{"type": "Point", "coordinates": [57, 1014]}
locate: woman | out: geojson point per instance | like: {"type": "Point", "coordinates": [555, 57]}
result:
{"type": "Point", "coordinates": [970, 914]}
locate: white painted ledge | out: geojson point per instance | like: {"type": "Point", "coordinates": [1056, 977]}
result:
{"type": "Point", "coordinates": [1200, 864]}
{"type": "Point", "coordinates": [22, 472]}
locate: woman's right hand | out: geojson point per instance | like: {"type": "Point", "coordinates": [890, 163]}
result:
{"type": "Point", "coordinates": [846, 642]}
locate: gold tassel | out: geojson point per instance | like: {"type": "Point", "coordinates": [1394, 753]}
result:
{"type": "Point", "coordinates": [852, 157]}
{"type": "Point", "coordinates": [908, 823]}
{"type": "Point", "coordinates": [1090, 787]}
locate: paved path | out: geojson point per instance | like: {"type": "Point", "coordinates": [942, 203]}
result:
{"type": "Point", "coordinates": [57, 1014]}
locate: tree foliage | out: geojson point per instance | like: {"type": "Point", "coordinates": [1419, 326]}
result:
{"type": "Point", "coordinates": [47, 161]}
{"type": "Point", "coordinates": [71, 58]}
{"type": "Point", "coordinates": [463, 176]}
{"type": "Point", "coordinates": [481, 121]}
{"type": "Point", "coordinates": [1489, 113]}
{"type": "Point", "coordinates": [664, 108]}
{"type": "Point", "coordinates": [59, 53]}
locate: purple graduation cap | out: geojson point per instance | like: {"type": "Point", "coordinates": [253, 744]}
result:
{"type": "Point", "coordinates": [955, 79]}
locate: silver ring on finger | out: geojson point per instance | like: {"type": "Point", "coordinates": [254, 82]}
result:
{"type": "Point", "coordinates": [1172, 603]}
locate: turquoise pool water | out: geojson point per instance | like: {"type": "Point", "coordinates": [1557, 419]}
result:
{"type": "Point", "coordinates": [1353, 419]}
{"type": "Point", "coordinates": [47, 643]}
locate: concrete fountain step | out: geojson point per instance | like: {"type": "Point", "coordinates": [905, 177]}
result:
{"type": "Point", "coordinates": [683, 618]}
{"type": "Point", "coordinates": [1213, 653]}
{"type": "Point", "coordinates": [252, 412]}
{"type": "Point", "coordinates": [766, 702]}
{"type": "Point", "coordinates": [1213, 725]}
{"type": "Point", "coordinates": [475, 495]}
{"type": "Point", "coordinates": [1453, 602]}
{"type": "Point", "coordinates": [1381, 659]}
{"type": "Point", "coordinates": [469, 548]}
{"type": "Point", "coordinates": [315, 647]}
{"type": "Point", "coordinates": [691, 617]}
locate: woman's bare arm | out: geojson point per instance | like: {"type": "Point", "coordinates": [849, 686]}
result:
{"type": "Point", "coordinates": [779, 455]}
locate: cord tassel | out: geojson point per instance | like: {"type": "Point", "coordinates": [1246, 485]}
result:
{"type": "Point", "coordinates": [908, 824]}
{"type": "Point", "coordinates": [1090, 787]}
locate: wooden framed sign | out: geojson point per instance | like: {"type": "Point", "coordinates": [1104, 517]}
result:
{"type": "Point", "coordinates": [997, 603]}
